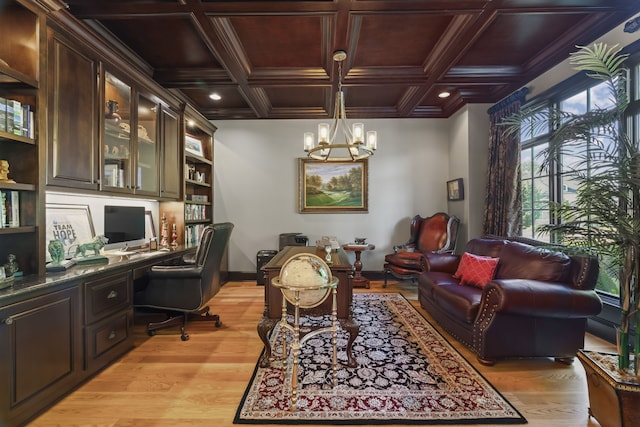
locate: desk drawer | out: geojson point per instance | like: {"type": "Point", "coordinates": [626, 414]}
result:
{"type": "Point", "coordinates": [108, 339]}
{"type": "Point", "coordinates": [106, 296]}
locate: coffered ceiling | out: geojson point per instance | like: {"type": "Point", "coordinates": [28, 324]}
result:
{"type": "Point", "coordinates": [273, 59]}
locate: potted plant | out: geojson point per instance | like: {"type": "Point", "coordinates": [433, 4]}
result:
{"type": "Point", "coordinates": [604, 217]}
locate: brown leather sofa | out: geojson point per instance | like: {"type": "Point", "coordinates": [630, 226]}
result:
{"type": "Point", "coordinates": [537, 304]}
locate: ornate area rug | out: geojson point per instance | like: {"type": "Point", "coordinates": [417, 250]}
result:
{"type": "Point", "coordinates": [407, 374]}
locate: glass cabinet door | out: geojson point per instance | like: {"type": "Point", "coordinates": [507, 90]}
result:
{"type": "Point", "coordinates": [117, 133]}
{"type": "Point", "coordinates": [147, 177]}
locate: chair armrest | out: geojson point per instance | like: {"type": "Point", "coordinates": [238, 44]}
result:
{"type": "Point", "coordinates": [445, 262]}
{"type": "Point", "coordinates": [407, 247]}
{"type": "Point", "coordinates": [540, 299]}
{"type": "Point", "coordinates": [189, 259]}
{"type": "Point", "coordinates": [174, 272]}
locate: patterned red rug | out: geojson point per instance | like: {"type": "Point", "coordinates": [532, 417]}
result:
{"type": "Point", "coordinates": [407, 374]}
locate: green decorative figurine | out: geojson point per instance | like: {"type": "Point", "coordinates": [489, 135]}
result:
{"type": "Point", "coordinates": [56, 251]}
{"type": "Point", "coordinates": [11, 268]}
{"type": "Point", "coordinates": [58, 262]}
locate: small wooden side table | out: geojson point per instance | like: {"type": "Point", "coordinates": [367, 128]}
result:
{"type": "Point", "coordinates": [358, 281]}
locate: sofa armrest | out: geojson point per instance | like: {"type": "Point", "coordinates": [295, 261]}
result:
{"type": "Point", "coordinates": [539, 299]}
{"type": "Point", "coordinates": [442, 262]}
{"type": "Point", "coordinates": [175, 272]}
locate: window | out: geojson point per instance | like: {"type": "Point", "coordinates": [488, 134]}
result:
{"type": "Point", "coordinates": [542, 184]}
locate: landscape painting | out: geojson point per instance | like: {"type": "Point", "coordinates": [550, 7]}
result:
{"type": "Point", "coordinates": [333, 186]}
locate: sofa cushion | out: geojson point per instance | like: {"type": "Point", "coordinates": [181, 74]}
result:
{"type": "Point", "coordinates": [462, 302]}
{"type": "Point", "coordinates": [522, 261]}
{"type": "Point", "coordinates": [485, 247]}
{"type": "Point", "coordinates": [405, 259]}
{"type": "Point", "coordinates": [427, 282]}
{"type": "Point", "coordinates": [476, 270]}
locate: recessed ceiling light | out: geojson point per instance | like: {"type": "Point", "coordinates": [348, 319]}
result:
{"type": "Point", "coordinates": [215, 97]}
{"type": "Point", "coordinates": [444, 94]}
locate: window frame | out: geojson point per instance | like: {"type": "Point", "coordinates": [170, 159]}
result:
{"type": "Point", "coordinates": [604, 324]}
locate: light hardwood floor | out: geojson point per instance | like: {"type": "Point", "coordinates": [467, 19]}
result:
{"type": "Point", "coordinates": [165, 382]}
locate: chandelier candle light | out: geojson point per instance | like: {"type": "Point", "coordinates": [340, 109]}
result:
{"type": "Point", "coordinates": [354, 143]}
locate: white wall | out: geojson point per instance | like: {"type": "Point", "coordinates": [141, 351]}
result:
{"type": "Point", "coordinates": [256, 185]}
{"type": "Point", "coordinates": [97, 203]}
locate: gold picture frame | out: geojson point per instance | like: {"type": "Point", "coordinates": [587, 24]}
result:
{"type": "Point", "coordinates": [333, 186]}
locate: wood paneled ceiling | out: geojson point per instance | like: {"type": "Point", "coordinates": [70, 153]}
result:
{"type": "Point", "coordinates": [273, 59]}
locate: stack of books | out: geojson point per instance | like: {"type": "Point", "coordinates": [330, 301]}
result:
{"type": "Point", "coordinates": [16, 118]}
{"type": "Point", "coordinates": [9, 208]}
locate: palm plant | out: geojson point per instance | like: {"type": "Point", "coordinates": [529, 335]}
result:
{"type": "Point", "coordinates": [603, 160]}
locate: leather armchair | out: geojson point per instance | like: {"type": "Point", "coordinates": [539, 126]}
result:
{"type": "Point", "coordinates": [184, 290]}
{"type": "Point", "coordinates": [437, 233]}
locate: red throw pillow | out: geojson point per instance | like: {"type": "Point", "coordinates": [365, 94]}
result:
{"type": "Point", "coordinates": [476, 270]}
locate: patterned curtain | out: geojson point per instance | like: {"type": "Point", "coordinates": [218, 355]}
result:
{"type": "Point", "coordinates": [503, 203]}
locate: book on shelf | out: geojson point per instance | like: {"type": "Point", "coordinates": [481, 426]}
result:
{"type": "Point", "coordinates": [192, 234]}
{"type": "Point", "coordinates": [16, 108]}
{"type": "Point", "coordinates": [3, 114]}
{"type": "Point", "coordinates": [9, 208]}
{"type": "Point", "coordinates": [16, 118]}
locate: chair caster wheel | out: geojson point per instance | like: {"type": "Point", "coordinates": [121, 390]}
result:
{"type": "Point", "coordinates": [184, 337]}
{"type": "Point", "coordinates": [218, 323]}
{"type": "Point", "coordinates": [151, 333]}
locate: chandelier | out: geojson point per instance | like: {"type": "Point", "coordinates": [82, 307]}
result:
{"type": "Point", "coordinates": [354, 138]}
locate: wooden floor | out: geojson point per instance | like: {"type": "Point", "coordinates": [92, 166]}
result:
{"type": "Point", "coordinates": [167, 382]}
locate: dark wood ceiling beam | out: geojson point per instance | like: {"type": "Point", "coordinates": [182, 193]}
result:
{"type": "Point", "coordinates": [468, 30]}
{"type": "Point", "coordinates": [453, 31]}
{"type": "Point", "coordinates": [189, 77]}
{"type": "Point", "coordinates": [593, 24]}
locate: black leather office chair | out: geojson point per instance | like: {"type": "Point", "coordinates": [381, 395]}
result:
{"type": "Point", "coordinates": [183, 290]}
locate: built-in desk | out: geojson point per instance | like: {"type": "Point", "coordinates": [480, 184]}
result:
{"type": "Point", "coordinates": [58, 330]}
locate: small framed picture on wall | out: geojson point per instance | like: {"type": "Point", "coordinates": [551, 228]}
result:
{"type": "Point", "coordinates": [455, 190]}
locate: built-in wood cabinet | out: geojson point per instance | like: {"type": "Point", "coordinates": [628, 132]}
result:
{"type": "Point", "coordinates": [170, 174]}
{"type": "Point", "coordinates": [195, 211]}
{"type": "Point", "coordinates": [22, 47]}
{"type": "Point", "coordinates": [41, 353]}
{"type": "Point", "coordinates": [72, 115]}
{"type": "Point", "coordinates": [108, 319]}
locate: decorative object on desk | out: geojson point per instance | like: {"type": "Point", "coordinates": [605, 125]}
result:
{"type": "Point", "coordinates": [164, 233]}
{"type": "Point", "coordinates": [96, 245]}
{"type": "Point", "coordinates": [149, 227]}
{"type": "Point", "coordinates": [174, 236]}
{"type": "Point", "coordinates": [327, 257]}
{"type": "Point", "coordinates": [425, 380]}
{"type": "Point", "coordinates": [57, 255]}
{"type": "Point", "coordinates": [4, 171]}
{"type": "Point", "coordinates": [5, 281]}
{"type": "Point", "coordinates": [360, 240]}
{"type": "Point", "coordinates": [193, 145]}
{"type": "Point", "coordinates": [112, 111]}
{"type": "Point", "coordinates": [332, 187]}
{"type": "Point", "coordinates": [69, 224]}
{"type": "Point", "coordinates": [354, 147]}
{"type": "Point", "coordinates": [11, 268]}
{"type": "Point", "coordinates": [455, 190]}
{"type": "Point", "coordinates": [153, 244]}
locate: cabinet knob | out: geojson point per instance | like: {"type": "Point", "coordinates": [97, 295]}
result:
{"type": "Point", "coordinates": [112, 335]}
{"type": "Point", "coordinates": [112, 294]}
{"type": "Point", "coordinates": [8, 321]}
